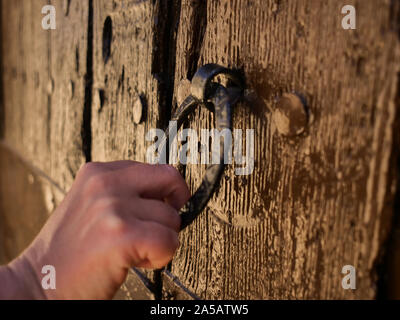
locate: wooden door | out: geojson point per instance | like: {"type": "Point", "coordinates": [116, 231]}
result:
{"type": "Point", "coordinates": [322, 194]}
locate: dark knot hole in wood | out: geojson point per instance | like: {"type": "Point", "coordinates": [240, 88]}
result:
{"type": "Point", "coordinates": [107, 39]}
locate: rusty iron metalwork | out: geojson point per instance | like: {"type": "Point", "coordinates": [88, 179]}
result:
{"type": "Point", "coordinates": [219, 99]}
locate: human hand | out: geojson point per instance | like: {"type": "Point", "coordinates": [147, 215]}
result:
{"type": "Point", "coordinates": [116, 215]}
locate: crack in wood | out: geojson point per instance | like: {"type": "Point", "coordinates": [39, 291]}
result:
{"type": "Point", "coordinates": [86, 130]}
{"type": "Point", "coordinates": [388, 264]}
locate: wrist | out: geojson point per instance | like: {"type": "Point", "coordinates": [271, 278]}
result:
{"type": "Point", "coordinates": [21, 281]}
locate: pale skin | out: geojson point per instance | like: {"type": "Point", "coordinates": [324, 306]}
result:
{"type": "Point", "coordinates": [116, 216]}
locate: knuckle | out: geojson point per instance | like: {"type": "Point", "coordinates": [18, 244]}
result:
{"type": "Point", "coordinates": [97, 183]}
{"type": "Point", "coordinates": [109, 204]}
{"type": "Point", "coordinates": [170, 216]}
{"type": "Point", "coordinates": [171, 241]}
{"type": "Point", "coordinates": [174, 178]}
{"type": "Point", "coordinates": [185, 193]}
{"type": "Point", "coordinates": [164, 242]}
{"type": "Point", "coordinates": [170, 173]}
{"type": "Point", "coordinates": [176, 221]}
{"type": "Point", "coordinates": [112, 223]}
{"type": "Point", "coordinates": [102, 208]}
{"type": "Point", "coordinates": [164, 236]}
{"type": "Point", "coordinates": [89, 168]}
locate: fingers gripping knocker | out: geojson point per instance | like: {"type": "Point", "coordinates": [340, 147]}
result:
{"type": "Point", "coordinates": [219, 99]}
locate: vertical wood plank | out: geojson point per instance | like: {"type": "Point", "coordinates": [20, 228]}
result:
{"type": "Point", "coordinates": [25, 77]}
{"type": "Point", "coordinates": [23, 209]}
{"type": "Point", "coordinates": [44, 85]}
{"type": "Point", "coordinates": [43, 94]}
{"type": "Point", "coordinates": [70, 75]}
{"type": "Point", "coordinates": [128, 65]}
{"type": "Point", "coordinates": [315, 202]}
{"type": "Point", "coordinates": [130, 71]}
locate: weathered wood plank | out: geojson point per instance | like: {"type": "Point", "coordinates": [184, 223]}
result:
{"type": "Point", "coordinates": [173, 288]}
{"type": "Point", "coordinates": [390, 275]}
{"type": "Point", "coordinates": [24, 207]}
{"type": "Point", "coordinates": [315, 202]}
{"type": "Point", "coordinates": [136, 287]}
{"type": "Point", "coordinates": [44, 84]}
{"type": "Point", "coordinates": [69, 123]}
{"type": "Point", "coordinates": [129, 64]}
{"type": "Point", "coordinates": [43, 94]}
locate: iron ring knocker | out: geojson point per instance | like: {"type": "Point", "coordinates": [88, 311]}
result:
{"type": "Point", "coordinates": [219, 99]}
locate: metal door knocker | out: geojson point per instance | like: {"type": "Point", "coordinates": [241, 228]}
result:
{"type": "Point", "coordinates": [219, 99]}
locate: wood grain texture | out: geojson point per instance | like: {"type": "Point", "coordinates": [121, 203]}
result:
{"type": "Point", "coordinates": [173, 288]}
{"type": "Point", "coordinates": [24, 208]}
{"type": "Point", "coordinates": [316, 202]}
{"type": "Point", "coordinates": [129, 63]}
{"type": "Point", "coordinates": [44, 85]}
{"type": "Point", "coordinates": [136, 288]}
